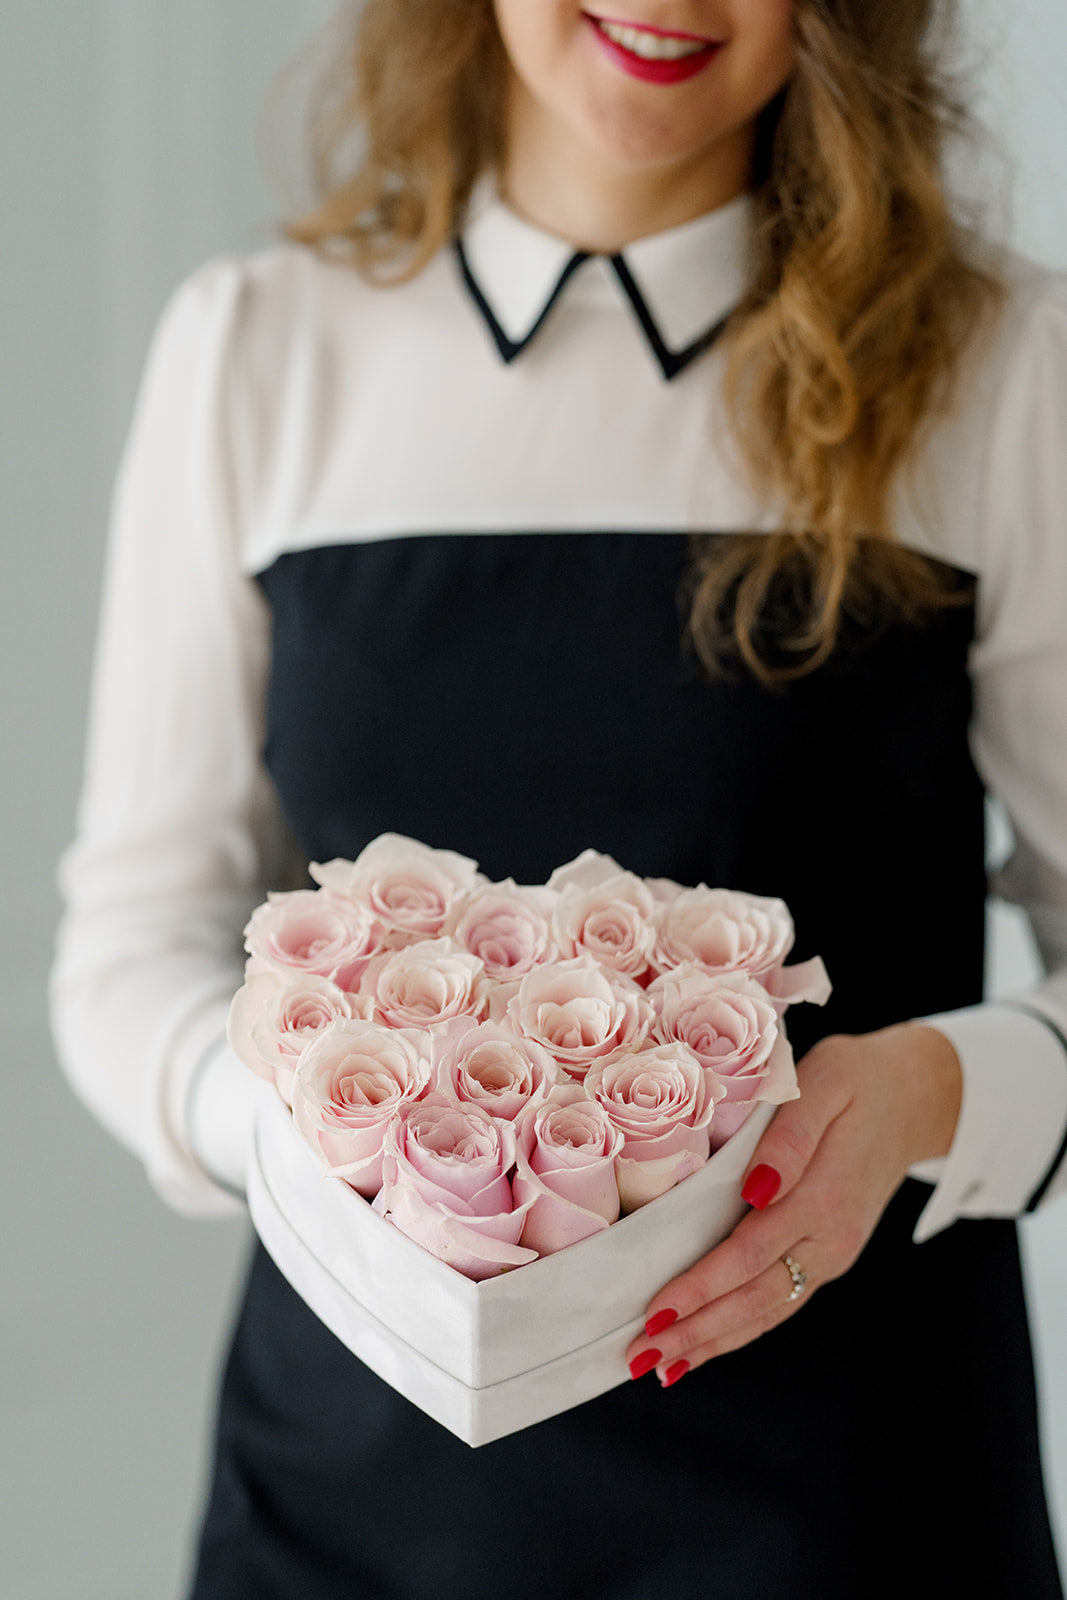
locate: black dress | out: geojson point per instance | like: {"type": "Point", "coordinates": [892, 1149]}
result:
{"type": "Point", "coordinates": [884, 1441]}
{"type": "Point", "coordinates": [519, 695]}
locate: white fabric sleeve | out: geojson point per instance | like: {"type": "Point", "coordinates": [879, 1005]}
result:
{"type": "Point", "coordinates": [1008, 1152]}
{"type": "Point", "coordinates": [178, 829]}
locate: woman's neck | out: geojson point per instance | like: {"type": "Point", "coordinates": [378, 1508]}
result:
{"type": "Point", "coordinates": [601, 205]}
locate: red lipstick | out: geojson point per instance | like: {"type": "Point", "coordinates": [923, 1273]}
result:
{"type": "Point", "coordinates": [671, 70]}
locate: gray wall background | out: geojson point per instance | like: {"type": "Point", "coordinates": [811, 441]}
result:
{"type": "Point", "coordinates": [130, 134]}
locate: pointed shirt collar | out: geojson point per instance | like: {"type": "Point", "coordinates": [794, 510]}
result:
{"type": "Point", "coordinates": [681, 285]}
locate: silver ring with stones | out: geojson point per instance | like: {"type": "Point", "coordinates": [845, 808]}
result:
{"type": "Point", "coordinates": [798, 1275]}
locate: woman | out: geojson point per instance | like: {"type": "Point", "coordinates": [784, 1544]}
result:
{"type": "Point", "coordinates": [676, 306]}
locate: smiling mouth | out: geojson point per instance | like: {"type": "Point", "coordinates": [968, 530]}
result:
{"type": "Point", "coordinates": [648, 43]}
{"type": "Point", "coordinates": [653, 55]}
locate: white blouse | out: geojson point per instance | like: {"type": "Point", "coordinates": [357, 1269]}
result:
{"type": "Point", "coordinates": [286, 404]}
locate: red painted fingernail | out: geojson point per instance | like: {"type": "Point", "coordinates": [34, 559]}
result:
{"type": "Point", "coordinates": [762, 1185]}
{"type": "Point", "coordinates": [644, 1363]}
{"type": "Point", "coordinates": [661, 1320]}
{"type": "Point", "coordinates": [676, 1370]}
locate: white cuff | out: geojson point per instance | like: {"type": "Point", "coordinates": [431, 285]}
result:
{"type": "Point", "coordinates": [1012, 1118]}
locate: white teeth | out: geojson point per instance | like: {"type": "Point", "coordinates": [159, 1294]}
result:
{"type": "Point", "coordinates": [650, 46]}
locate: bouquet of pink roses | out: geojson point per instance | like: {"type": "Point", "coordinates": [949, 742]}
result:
{"type": "Point", "coordinates": [503, 1070]}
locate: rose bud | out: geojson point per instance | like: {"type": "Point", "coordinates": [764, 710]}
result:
{"type": "Point", "coordinates": [733, 1028]}
{"type": "Point", "coordinates": [275, 1015]}
{"type": "Point", "coordinates": [445, 1185]}
{"type": "Point", "coordinates": [723, 930]}
{"type": "Point", "coordinates": [611, 921]}
{"type": "Point", "coordinates": [487, 1065]}
{"type": "Point", "coordinates": [506, 927]}
{"type": "Point", "coordinates": [579, 1011]}
{"type": "Point", "coordinates": [566, 1166]}
{"type": "Point", "coordinates": [311, 932]}
{"type": "Point", "coordinates": [425, 984]}
{"type": "Point", "coordinates": [662, 1101]}
{"type": "Point", "coordinates": [351, 1083]}
{"type": "Point", "coordinates": [403, 884]}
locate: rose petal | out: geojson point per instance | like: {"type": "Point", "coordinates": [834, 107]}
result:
{"type": "Point", "coordinates": [642, 1181]}
{"type": "Point", "coordinates": [479, 1247]}
{"type": "Point", "coordinates": [776, 1085]}
{"type": "Point", "coordinates": [586, 871]}
{"type": "Point", "coordinates": [805, 980]}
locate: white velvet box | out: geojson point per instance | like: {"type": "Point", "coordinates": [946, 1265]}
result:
{"type": "Point", "coordinates": [482, 1359]}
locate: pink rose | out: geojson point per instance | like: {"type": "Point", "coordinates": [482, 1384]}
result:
{"type": "Point", "coordinates": [662, 1101]}
{"type": "Point", "coordinates": [506, 927]}
{"type": "Point", "coordinates": [445, 1185]}
{"type": "Point", "coordinates": [404, 885]}
{"type": "Point", "coordinates": [311, 932]}
{"type": "Point", "coordinates": [274, 1016]}
{"type": "Point", "coordinates": [579, 1011]}
{"type": "Point", "coordinates": [351, 1083]}
{"type": "Point", "coordinates": [728, 1022]}
{"type": "Point", "coordinates": [605, 912]}
{"type": "Point", "coordinates": [733, 1028]}
{"type": "Point", "coordinates": [487, 1065]}
{"type": "Point", "coordinates": [566, 1167]}
{"type": "Point", "coordinates": [723, 930]}
{"type": "Point", "coordinates": [425, 984]}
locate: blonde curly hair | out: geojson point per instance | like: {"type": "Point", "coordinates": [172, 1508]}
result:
{"type": "Point", "coordinates": [845, 349]}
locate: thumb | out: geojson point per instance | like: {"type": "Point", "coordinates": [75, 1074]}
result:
{"type": "Point", "coordinates": [786, 1148]}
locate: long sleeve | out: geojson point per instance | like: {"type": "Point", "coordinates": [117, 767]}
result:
{"type": "Point", "coordinates": [178, 830]}
{"type": "Point", "coordinates": [1009, 1148]}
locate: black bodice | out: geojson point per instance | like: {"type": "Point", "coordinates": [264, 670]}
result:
{"type": "Point", "coordinates": [520, 697]}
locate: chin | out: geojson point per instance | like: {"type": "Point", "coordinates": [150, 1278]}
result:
{"type": "Point", "coordinates": [637, 136]}
{"type": "Point", "coordinates": [635, 144]}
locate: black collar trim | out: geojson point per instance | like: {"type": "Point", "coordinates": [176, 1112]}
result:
{"type": "Point", "coordinates": [507, 346]}
{"type": "Point", "coordinates": [671, 362]}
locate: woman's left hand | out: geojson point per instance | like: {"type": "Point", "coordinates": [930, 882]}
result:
{"type": "Point", "coordinates": [871, 1106]}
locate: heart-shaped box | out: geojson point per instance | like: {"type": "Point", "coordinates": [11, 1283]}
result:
{"type": "Point", "coordinates": [483, 1359]}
